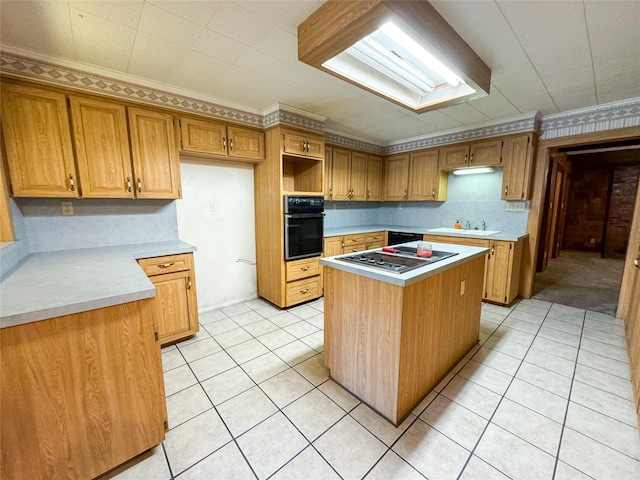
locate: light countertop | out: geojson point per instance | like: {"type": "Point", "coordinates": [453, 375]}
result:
{"type": "Point", "coordinates": [52, 284]}
{"type": "Point", "coordinates": [339, 231]}
{"type": "Point", "coordinates": [464, 252]}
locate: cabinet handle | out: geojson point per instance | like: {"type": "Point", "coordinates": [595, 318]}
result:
{"type": "Point", "coordinates": [636, 262]}
{"type": "Point", "coordinates": [433, 193]}
{"type": "Point", "coordinates": [471, 159]}
{"type": "Point", "coordinates": [128, 184]}
{"type": "Point", "coordinates": [466, 157]}
{"type": "Point", "coordinates": [189, 282]}
{"type": "Point", "coordinates": [224, 143]}
{"type": "Point", "coordinates": [166, 265]}
{"type": "Point", "coordinates": [305, 146]}
{"type": "Point", "coordinates": [72, 183]}
{"type": "Point", "coordinates": [368, 194]}
{"type": "Point", "coordinates": [304, 291]}
{"type": "Point", "coordinates": [506, 190]}
{"type": "Point", "coordinates": [139, 185]}
{"type": "Point", "coordinates": [405, 193]}
{"type": "Point", "coordinates": [304, 269]}
{"type": "Point", "coordinates": [231, 144]}
{"type": "Point", "coordinates": [330, 193]}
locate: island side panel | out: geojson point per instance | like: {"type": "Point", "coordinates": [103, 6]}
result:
{"type": "Point", "coordinates": [80, 394]}
{"type": "Point", "coordinates": [362, 337]}
{"type": "Point", "coordinates": [439, 327]}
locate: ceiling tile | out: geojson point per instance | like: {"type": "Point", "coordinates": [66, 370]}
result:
{"type": "Point", "coordinates": [466, 114]}
{"type": "Point", "coordinates": [199, 73]}
{"type": "Point", "coordinates": [169, 27]}
{"type": "Point", "coordinates": [195, 11]}
{"type": "Point", "coordinates": [218, 46]}
{"type": "Point", "coordinates": [124, 12]}
{"type": "Point", "coordinates": [495, 105]}
{"type": "Point", "coordinates": [279, 43]}
{"type": "Point", "coordinates": [235, 22]}
{"type": "Point", "coordinates": [271, 11]}
{"type": "Point", "coordinates": [154, 58]}
{"type": "Point", "coordinates": [298, 13]}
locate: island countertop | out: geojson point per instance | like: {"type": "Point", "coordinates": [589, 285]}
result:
{"type": "Point", "coordinates": [464, 253]}
{"type": "Point", "coordinates": [52, 284]}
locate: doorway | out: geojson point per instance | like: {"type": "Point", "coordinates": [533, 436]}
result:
{"type": "Point", "coordinates": [588, 212]}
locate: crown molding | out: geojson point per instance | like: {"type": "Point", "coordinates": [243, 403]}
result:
{"type": "Point", "coordinates": [609, 116]}
{"type": "Point", "coordinates": [281, 113]}
{"type": "Point", "coordinates": [349, 142]}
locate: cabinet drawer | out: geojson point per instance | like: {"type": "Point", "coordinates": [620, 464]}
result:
{"type": "Point", "coordinates": [374, 237]}
{"type": "Point", "coordinates": [378, 244]}
{"type": "Point", "coordinates": [307, 267]}
{"type": "Point", "coordinates": [166, 264]}
{"type": "Point", "coordinates": [472, 242]}
{"type": "Point", "coordinates": [303, 290]}
{"type": "Point", "coordinates": [356, 239]}
{"type": "Point", "coordinates": [354, 248]}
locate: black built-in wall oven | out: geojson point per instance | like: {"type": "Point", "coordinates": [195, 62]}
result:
{"type": "Point", "coordinates": [303, 226]}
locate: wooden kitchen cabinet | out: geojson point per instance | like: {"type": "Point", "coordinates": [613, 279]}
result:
{"type": "Point", "coordinates": [396, 177]}
{"type": "Point", "coordinates": [328, 174]}
{"type": "Point", "coordinates": [156, 160]}
{"type": "Point", "coordinates": [175, 304]}
{"type": "Point", "coordinates": [81, 393]}
{"type": "Point", "coordinates": [517, 154]}
{"type": "Point", "coordinates": [502, 268]}
{"type": "Point", "coordinates": [375, 171]}
{"type": "Point", "coordinates": [478, 154]}
{"type": "Point", "coordinates": [333, 246]}
{"type": "Point", "coordinates": [102, 148]}
{"type": "Point", "coordinates": [426, 180]}
{"type": "Point", "coordinates": [353, 243]}
{"type": "Point", "coordinates": [304, 280]}
{"type": "Point", "coordinates": [37, 137]}
{"type": "Point", "coordinates": [205, 137]}
{"type": "Point", "coordinates": [348, 175]}
{"type": "Point", "coordinates": [307, 145]}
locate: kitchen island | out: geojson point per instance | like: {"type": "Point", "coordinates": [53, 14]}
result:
{"type": "Point", "coordinates": [390, 337]}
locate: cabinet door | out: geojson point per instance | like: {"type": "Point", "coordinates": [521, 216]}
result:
{"type": "Point", "coordinates": [484, 154]}
{"type": "Point", "coordinates": [246, 143]}
{"type": "Point", "coordinates": [498, 271]}
{"type": "Point", "coordinates": [454, 157]}
{"type": "Point", "coordinates": [156, 162]}
{"type": "Point", "coordinates": [201, 136]}
{"type": "Point", "coordinates": [424, 175]}
{"type": "Point", "coordinates": [374, 178]}
{"type": "Point", "coordinates": [358, 176]}
{"type": "Point", "coordinates": [175, 305]}
{"type": "Point", "coordinates": [315, 146]}
{"type": "Point", "coordinates": [328, 174]}
{"type": "Point", "coordinates": [102, 148]}
{"type": "Point", "coordinates": [340, 175]}
{"type": "Point", "coordinates": [307, 145]}
{"type": "Point", "coordinates": [516, 176]}
{"type": "Point", "coordinates": [396, 177]}
{"type": "Point", "coordinates": [38, 142]}
{"type": "Point", "coordinates": [333, 246]}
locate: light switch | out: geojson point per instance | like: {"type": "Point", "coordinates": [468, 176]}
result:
{"type": "Point", "coordinates": [67, 208]}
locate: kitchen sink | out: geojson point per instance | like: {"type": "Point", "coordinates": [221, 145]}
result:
{"type": "Point", "coordinates": [462, 231]}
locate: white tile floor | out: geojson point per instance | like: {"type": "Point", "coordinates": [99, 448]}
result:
{"type": "Point", "coordinates": [545, 395]}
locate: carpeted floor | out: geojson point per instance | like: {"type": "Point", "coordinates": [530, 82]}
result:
{"type": "Point", "coordinates": [581, 279]}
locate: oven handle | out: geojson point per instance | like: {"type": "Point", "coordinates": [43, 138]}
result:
{"type": "Point", "coordinates": [304, 215]}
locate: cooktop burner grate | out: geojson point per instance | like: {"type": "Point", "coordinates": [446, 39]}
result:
{"type": "Point", "coordinates": [392, 262]}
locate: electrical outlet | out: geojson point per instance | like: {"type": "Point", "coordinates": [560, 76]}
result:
{"type": "Point", "coordinates": [212, 206]}
{"type": "Point", "coordinates": [462, 285]}
{"type": "Point", "coordinates": [67, 208]}
{"type": "Point", "coordinates": [399, 206]}
{"type": "Point", "coordinates": [514, 206]}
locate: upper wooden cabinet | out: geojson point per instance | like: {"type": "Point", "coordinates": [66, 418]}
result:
{"type": "Point", "coordinates": [156, 161]}
{"type": "Point", "coordinates": [206, 137]}
{"type": "Point", "coordinates": [38, 142]}
{"type": "Point", "coordinates": [374, 178]}
{"type": "Point", "coordinates": [102, 148]}
{"type": "Point", "coordinates": [426, 180]}
{"type": "Point", "coordinates": [477, 154]}
{"type": "Point", "coordinates": [517, 154]}
{"type": "Point", "coordinates": [307, 145]}
{"type": "Point", "coordinates": [348, 175]}
{"type": "Point", "coordinates": [396, 177]}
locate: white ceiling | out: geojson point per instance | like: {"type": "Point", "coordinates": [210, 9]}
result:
{"type": "Point", "coordinates": [547, 56]}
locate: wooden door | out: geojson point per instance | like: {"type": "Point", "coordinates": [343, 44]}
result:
{"type": "Point", "coordinates": [374, 178]}
{"type": "Point", "coordinates": [340, 183]}
{"type": "Point", "coordinates": [38, 142]}
{"type": "Point", "coordinates": [333, 246]}
{"type": "Point", "coordinates": [396, 177]}
{"type": "Point", "coordinates": [102, 148]}
{"type": "Point", "coordinates": [516, 176]}
{"type": "Point", "coordinates": [497, 274]}
{"type": "Point", "coordinates": [314, 146]}
{"type": "Point", "coordinates": [156, 161]}
{"type": "Point", "coordinates": [358, 176]}
{"type": "Point", "coordinates": [485, 154]}
{"type": "Point", "coordinates": [175, 306]}
{"type": "Point", "coordinates": [328, 174]}
{"type": "Point", "coordinates": [203, 136]}
{"type": "Point", "coordinates": [454, 157]}
{"type": "Point", "coordinates": [245, 143]}
{"type": "Point", "coordinates": [423, 175]}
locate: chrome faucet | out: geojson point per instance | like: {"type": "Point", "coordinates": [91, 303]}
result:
{"type": "Point", "coordinates": [484, 225]}
{"type": "Point", "coordinates": [468, 225]}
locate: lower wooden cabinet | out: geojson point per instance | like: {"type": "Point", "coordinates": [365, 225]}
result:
{"type": "Point", "coordinates": [502, 268]}
{"type": "Point", "coordinates": [304, 280]}
{"type": "Point", "coordinates": [353, 243]}
{"type": "Point", "coordinates": [175, 302]}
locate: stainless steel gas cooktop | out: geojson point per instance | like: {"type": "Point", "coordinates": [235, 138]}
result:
{"type": "Point", "coordinates": [397, 259]}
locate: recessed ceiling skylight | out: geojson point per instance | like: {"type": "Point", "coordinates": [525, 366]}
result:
{"type": "Point", "coordinates": [387, 48]}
